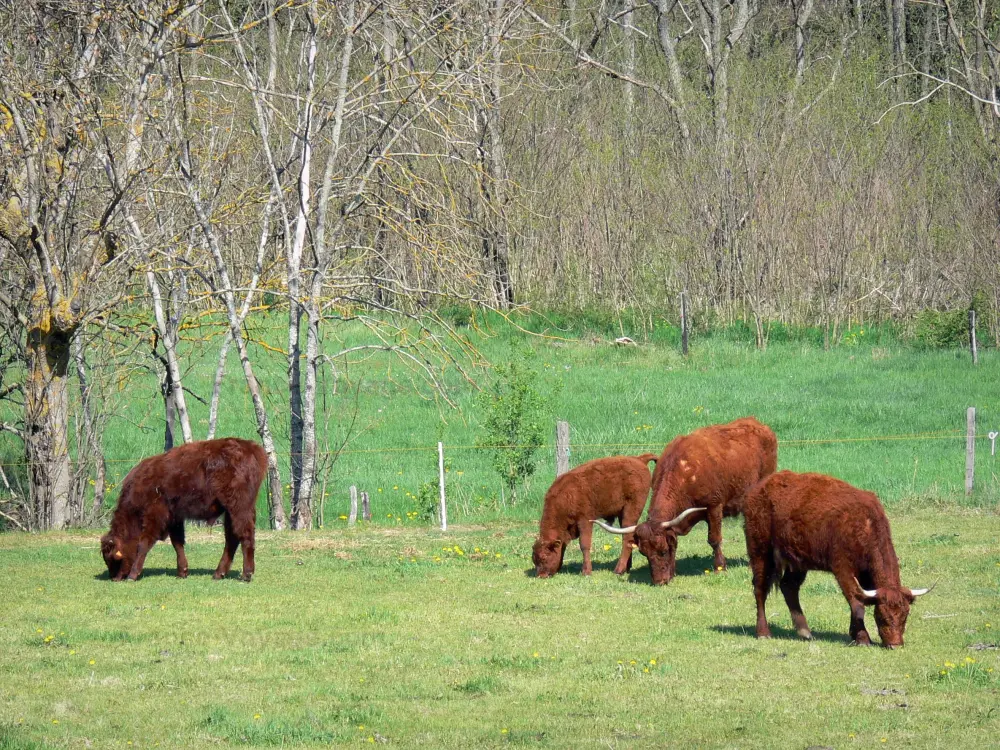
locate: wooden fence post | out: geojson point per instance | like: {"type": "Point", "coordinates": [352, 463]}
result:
{"type": "Point", "coordinates": [562, 448]}
{"type": "Point", "coordinates": [366, 508]}
{"type": "Point", "coordinates": [353, 517]}
{"type": "Point", "coordinates": [444, 508]}
{"type": "Point", "coordinates": [684, 323]}
{"type": "Point", "coordinates": [972, 336]}
{"type": "Point", "coordinates": [970, 449]}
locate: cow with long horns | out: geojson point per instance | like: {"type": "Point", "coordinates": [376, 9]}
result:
{"type": "Point", "coordinates": [701, 476]}
{"type": "Point", "coordinates": [795, 523]}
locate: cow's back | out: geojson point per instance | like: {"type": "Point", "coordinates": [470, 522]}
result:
{"type": "Point", "coordinates": [713, 465]}
{"type": "Point", "coordinates": [811, 519]}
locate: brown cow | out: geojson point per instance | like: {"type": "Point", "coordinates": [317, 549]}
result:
{"type": "Point", "coordinates": [711, 469]}
{"type": "Point", "coordinates": [201, 480]}
{"type": "Point", "coordinates": [611, 488]}
{"type": "Point", "coordinates": [795, 523]}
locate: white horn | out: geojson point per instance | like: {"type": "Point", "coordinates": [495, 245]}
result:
{"type": "Point", "coordinates": [921, 592]}
{"type": "Point", "coordinates": [681, 517]}
{"type": "Point", "coordinates": [613, 529]}
{"type": "Point", "coordinates": [866, 592]}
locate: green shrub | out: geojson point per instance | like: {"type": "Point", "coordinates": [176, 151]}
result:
{"type": "Point", "coordinates": [513, 414]}
{"type": "Point", "coordinates": [936, 329]}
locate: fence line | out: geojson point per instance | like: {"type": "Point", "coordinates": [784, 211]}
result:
{"type": "Point", "coordinates": [937, 435]}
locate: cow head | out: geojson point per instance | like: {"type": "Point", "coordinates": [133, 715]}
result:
{"type": "Point", "coordinates": [547, 557]}
{"type": "Point", "coordinates": [659, 545]}
{"type": "Point", "coordinates": [118, 556]}
{"type": "Point", "coordinates": [657, 540]}
{"type": "Point", "coordinates": [892, 607]}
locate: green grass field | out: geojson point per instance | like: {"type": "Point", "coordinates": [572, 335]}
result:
{"type": "Point", "coordinates": [388, 632]}
{"type": "Point", "coordinates": [353, 637]}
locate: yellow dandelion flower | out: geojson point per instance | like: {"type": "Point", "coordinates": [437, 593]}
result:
{"type": "Point", "coordinates": [653, 662]}
{"type": "Point", "coordinates": [342, 518]}
{"type": "Point", "coordinates": [92, 662]}
{"type": "Point", "coordinates": [535, 655]}
{"type": "Point", "coordinates": [708, 572]}
{"type": "Point", "coordinates": [395, 486]}
{"type": "Point", "coordinates": [632, 662]}
{"type": "Point", "coordinates": [943, 672]}
{"type": "Point", "coordinates": [55, 721]}
{"type": "Point", "coordinates": [969, 660]}
{"type": "Point", "coordinates": [504, 730]}
{"type": "Point", "coordinates": [72, 652]}
{"type": "Point", "coordinates": [646, 670]}
{"type": "Point", "coordinates": [39, 630]}
{"type": "Point", "coordinates": [256, 716]}
{"type": "Point", "coordinates": [884, 740]}
{"type": "Point", "coordinates": [498, 555]}
{"type": "Point", "coordinates": [607, 547]}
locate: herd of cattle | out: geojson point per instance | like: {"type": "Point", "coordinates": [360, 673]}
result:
{"type": "Point", "coordinates": [793, 522]}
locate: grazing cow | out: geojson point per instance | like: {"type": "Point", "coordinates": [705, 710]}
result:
{"type": "Point", "coordinates": [709, 470]}
{"type": "Point", "coordinates": [611, 488]}
{"type": "Point", "coordinates": [795, 523]}
{"type": "Point", "coordinates": [201, 480]}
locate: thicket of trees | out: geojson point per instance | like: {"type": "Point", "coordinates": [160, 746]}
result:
{"type": "Point", "coordinates": [808, 161]}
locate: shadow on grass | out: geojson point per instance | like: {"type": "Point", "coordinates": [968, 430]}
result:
{"type": "Point", "coordinates": [576, 568]}
{"type": "Point", "coordinates": [780, 633]}
{"type": "Point", "coordinates": [172, 572]}
{"type": "Point", "coordinates": [686, 566]}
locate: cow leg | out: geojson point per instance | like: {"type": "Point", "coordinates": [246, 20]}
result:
{"type": "Point", "coordinates": [586, 535]}
{"type": "Point", "coordinates": [562, 556]}
{"type": "Point", "coordinates": [176, 532]}
{"type": "Point", "coordinates": [790, 584]}
{"type": "Point", "coordinates": [153, 524]}
{"type": "Point", "coordinates": [230, 550]}
{"type": "Point", "coordinates": [859, 635]}
{"type": "Point", "coordinates": [715, 537]}
{"type": "Point", "coordinates": [625, 559]}
{"type": "Point", "coordinates": [140, 557]}
{"type": "Point", "coordinates": [244, 531]}
{"type": "Point", "coordinates": [762, 568]}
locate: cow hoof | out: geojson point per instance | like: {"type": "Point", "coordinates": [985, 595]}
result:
{"type": "Point", "coordinates": [246, 578]}
{"type": "Point", "coordinates": [805, 633]}
{"type": "Point", "coordinates": [763, 636]}
{"type": "Point", "coordinates": [861, 642]}
{"type": "Point", "coordinates": [218, 576]}
{"type": "Point", "coordinates": [182, 574]}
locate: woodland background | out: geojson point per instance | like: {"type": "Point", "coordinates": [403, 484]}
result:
{"type": "Point", "coordinates": [172, 171]}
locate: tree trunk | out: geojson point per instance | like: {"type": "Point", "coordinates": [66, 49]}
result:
{"type": "Point", "coordinates": [47, 419]}
{"type": "Point", "coordinates": [294, 267]}
{"type": "Point", "coordinates": [495, 242]}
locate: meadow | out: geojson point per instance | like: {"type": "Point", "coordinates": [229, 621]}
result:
{"type": "Point", "coordinates": [393, 632]}
{"type": "Point", "coordinates": [416, 638]}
